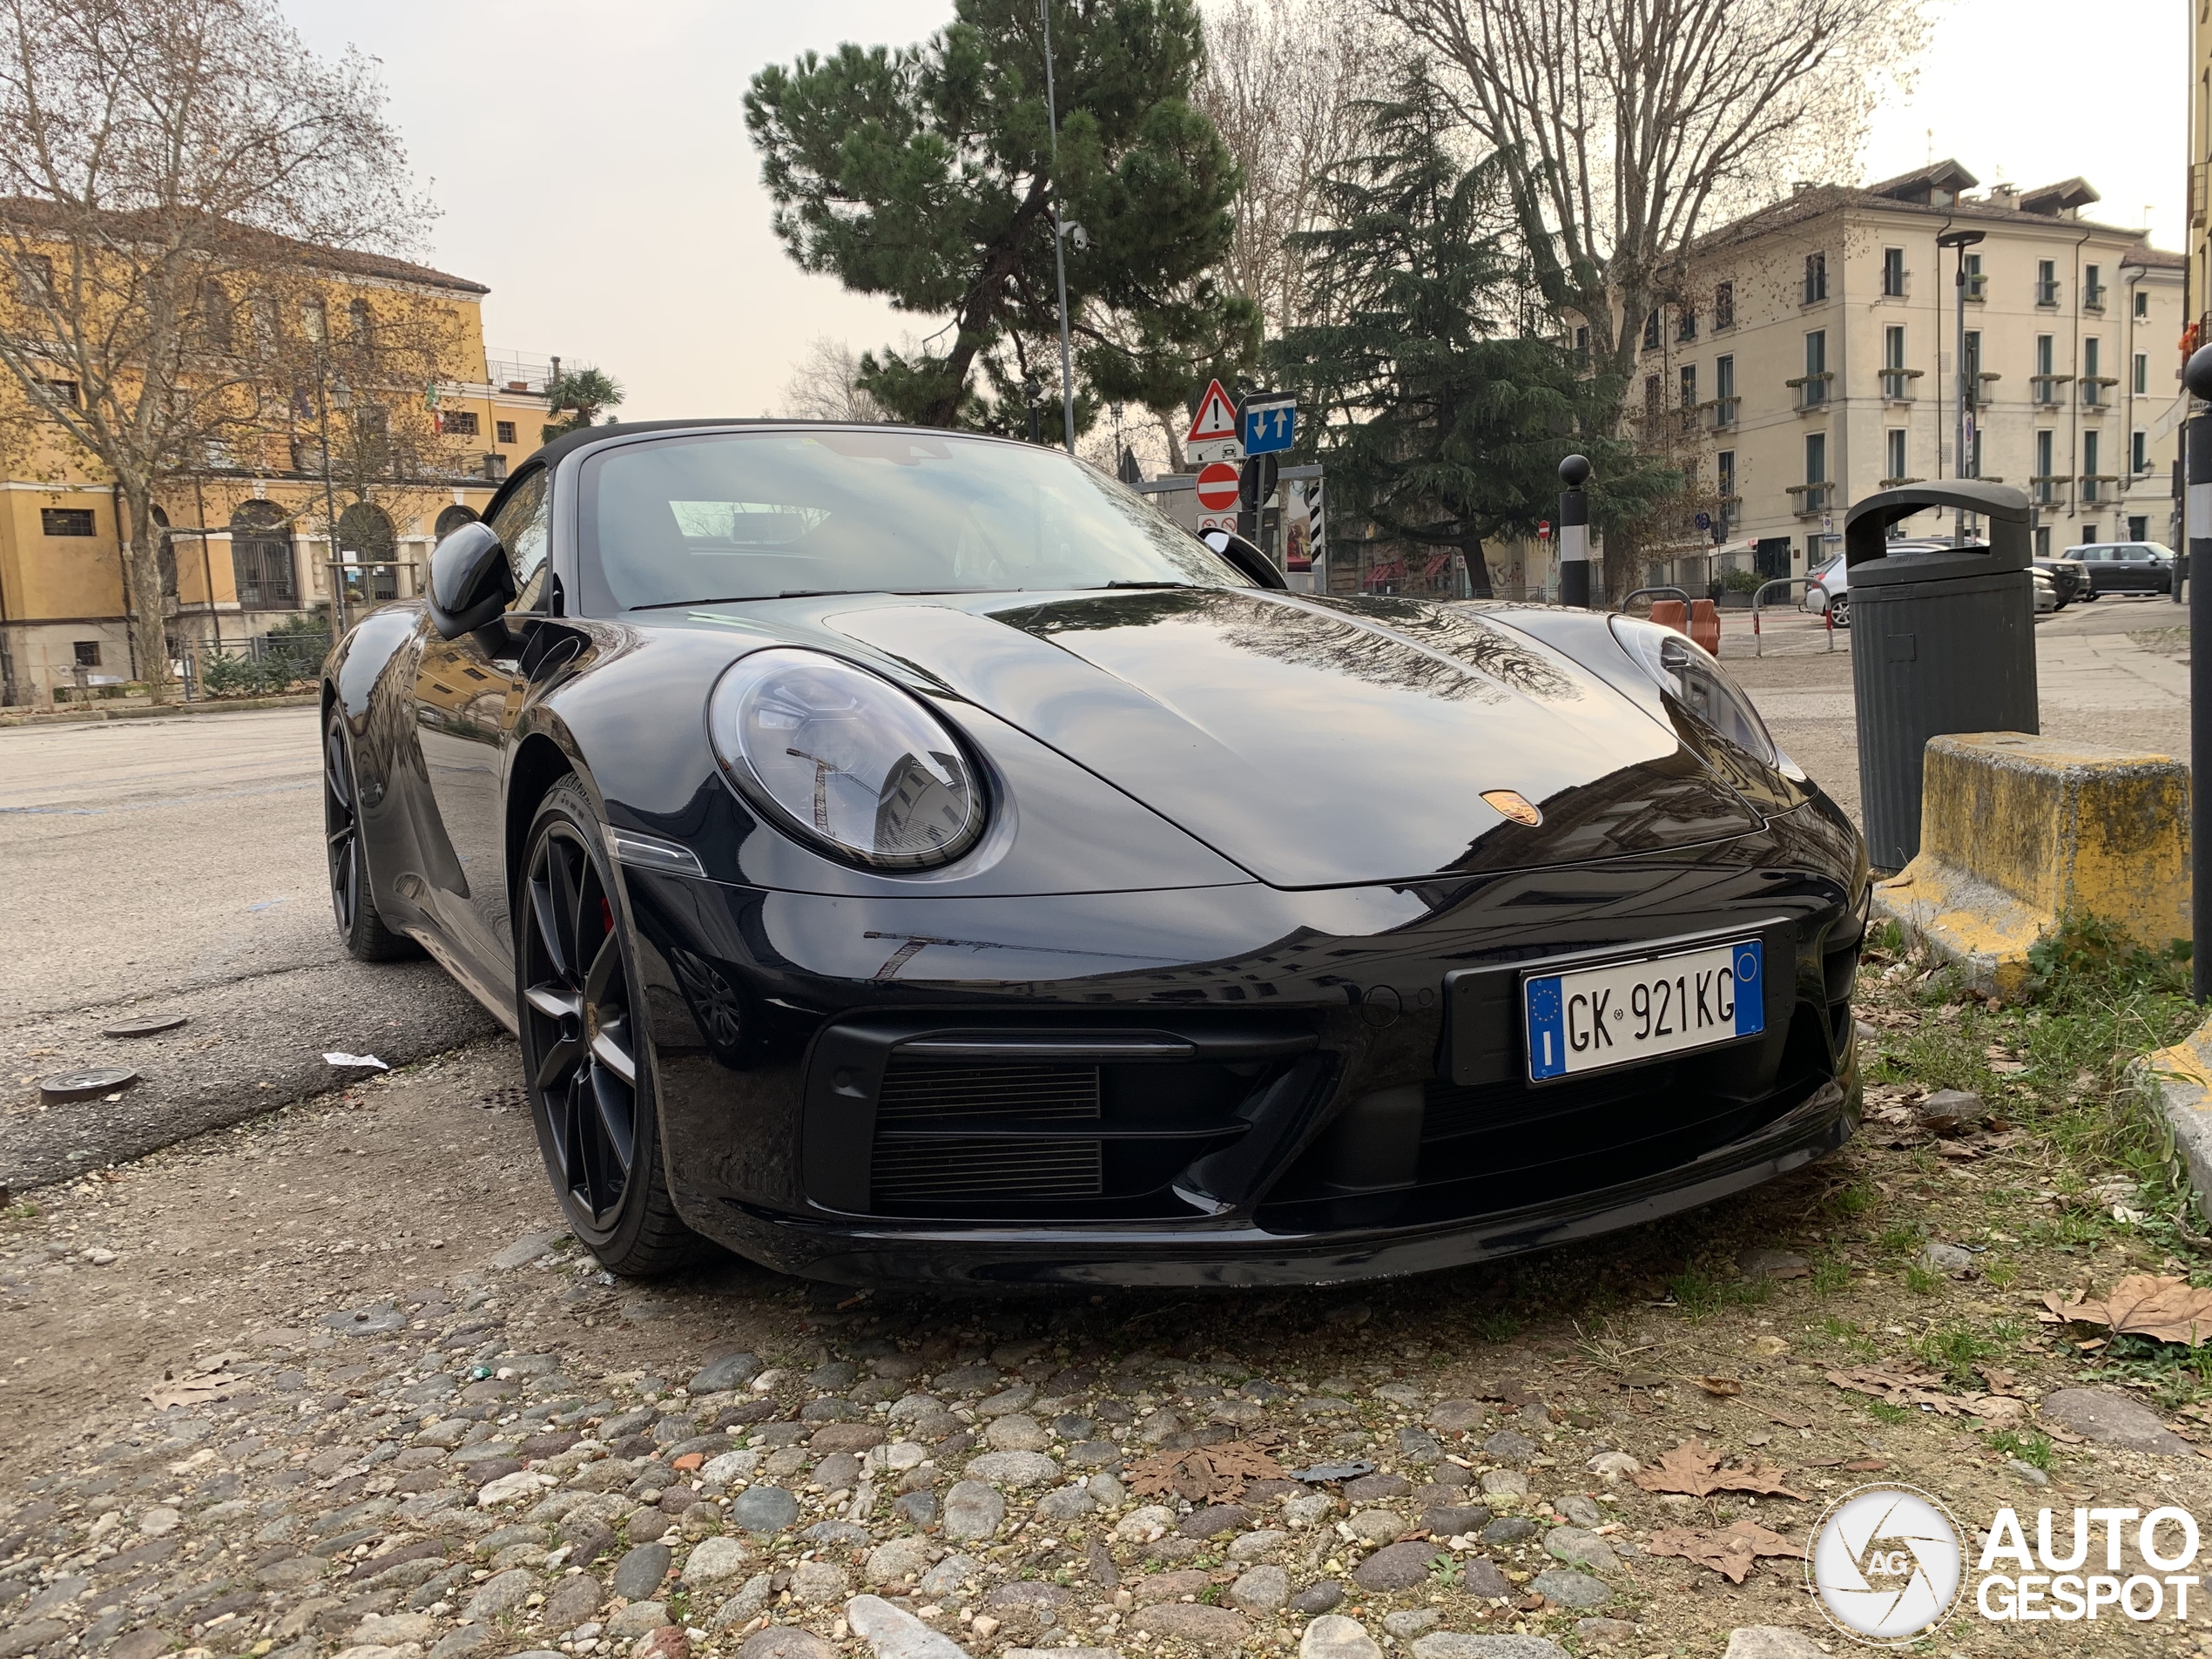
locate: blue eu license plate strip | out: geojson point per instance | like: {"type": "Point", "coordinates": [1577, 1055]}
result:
{"type": "Point", "coordinates": [1596, 1018]}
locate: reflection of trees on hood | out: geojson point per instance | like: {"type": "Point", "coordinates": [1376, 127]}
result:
{"type": "Point", "coordinates": [1406, 644]}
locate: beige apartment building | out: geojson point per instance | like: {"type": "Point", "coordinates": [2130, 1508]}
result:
{"type": "Point", "coordinates": [1809, 362]}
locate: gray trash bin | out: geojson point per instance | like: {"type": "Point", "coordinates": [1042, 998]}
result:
{"type": "Point", "coordinates": [1941, 641]}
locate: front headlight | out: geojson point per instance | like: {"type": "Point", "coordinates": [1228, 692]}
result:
{"type": "Point", "coordinates": [1686, 672]}
{"type": "Point", "coordinates": [845, 760]}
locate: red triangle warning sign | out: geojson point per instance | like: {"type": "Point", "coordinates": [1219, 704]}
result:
{"type": "Point", "coordinates": [1216, 419]}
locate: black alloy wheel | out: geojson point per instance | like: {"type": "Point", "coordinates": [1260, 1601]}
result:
{"type": "Point", "coordinates": [353, 900]}
{"type": "Point", "coordinates": [589, 1078]}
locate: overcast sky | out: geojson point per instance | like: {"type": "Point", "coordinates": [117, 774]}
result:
{"type": "Point", "coordinates": [594, 170]}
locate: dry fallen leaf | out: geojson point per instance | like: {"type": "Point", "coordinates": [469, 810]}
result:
{"type": "Point", "coordinates": [2165, 1309]}
{"type": "Point", "coordinates": [1203, 1473]}
{"type": "Point", "coordinates": [1899, 1387]}
{"type": "Point", "coordinates": [2000, 1381]}
{"type": "Point", "coordinates": [1695, 1468]}
{"type": "Point", "coordinates": [1731, 1553]}
{"type": "Point", "coordinates": [1722, 1387]}
{"type": "Point", "coordinates": [199, 1381]}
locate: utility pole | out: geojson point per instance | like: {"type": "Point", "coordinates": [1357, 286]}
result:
{"type": "Point", "coordinates": [2197, 377]}
{"type": "Point", "coordinates": [1959, 242]}
{"type": "Point", "coordinates": [1059, 240]}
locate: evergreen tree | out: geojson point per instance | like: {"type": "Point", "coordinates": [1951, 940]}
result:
{"type": "Point", "coordinates": [927, 175]}
{"type": "Point", "coordinates": [1441, 417]}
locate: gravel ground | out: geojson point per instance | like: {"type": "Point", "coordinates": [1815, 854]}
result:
{"type": "Point", "coordinates": [337, 1383]}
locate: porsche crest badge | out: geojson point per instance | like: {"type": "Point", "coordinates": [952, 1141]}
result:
{"type": "Point", "coordinates": [1513, 805]}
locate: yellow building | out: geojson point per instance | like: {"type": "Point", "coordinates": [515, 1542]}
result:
{"type": "Point", "coordinates": [248, 547]}
{"type": "Point", "coordinates": [1810, 361]}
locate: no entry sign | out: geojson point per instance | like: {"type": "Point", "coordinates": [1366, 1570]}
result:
{"type": "Point", "coordinates": [1217, 486]}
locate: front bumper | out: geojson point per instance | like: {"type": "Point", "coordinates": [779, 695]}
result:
{"type": "Point", "coordinates": [1222, 1086]}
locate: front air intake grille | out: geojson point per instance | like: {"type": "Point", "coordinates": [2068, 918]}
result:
{"type": "Point", "coordinates": [914, 1089]}
{"type": "Point", "coordinates": [910, 1174]}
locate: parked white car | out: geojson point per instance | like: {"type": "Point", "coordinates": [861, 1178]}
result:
{"type": "Point", "coordinates": [1828, 584]}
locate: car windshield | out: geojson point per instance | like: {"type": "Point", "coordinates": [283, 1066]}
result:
{"type": "Point", "coordinates": [733, 515]}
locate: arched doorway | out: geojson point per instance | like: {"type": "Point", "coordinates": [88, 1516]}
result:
{"type": "Point", "coordinates": [262, 558]}
{"type": "Point", "coordinates": [369, 546]}
{"type": "Point", "coordinates": [453, 518]}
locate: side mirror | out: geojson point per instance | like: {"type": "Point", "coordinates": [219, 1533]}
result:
{"type": "Point", "coordinates": [1246, 557]}
{"type": "Point", "coordinates": [471, 582]}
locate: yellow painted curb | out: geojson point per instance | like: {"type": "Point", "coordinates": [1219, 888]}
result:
{"type": "Point", "coordinates": [2018, 831]}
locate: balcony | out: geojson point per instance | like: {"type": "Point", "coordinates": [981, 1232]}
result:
{"type": "Point", "coordinates": [1724, 412]}
{"type": "Point", "coordinates": [2046, 389]}
{"type": "Point", "coordinates": [2092, 485]}
{"type": "Point", "coordinates": [2092, 391]}
{"type": "Point", "coordinates": [1813, 500]}
{"type": "Point", "coordinates": [1897, 384]}
{"type": "Point", "coordinates": [1977, 288]}
{"type": "Point", "coordinates": [1811, 390]}
{"type": "Point", "coordinates": [1983, 396]}
{"type": "Point", "coordinates": [2044, 487]}
{"type": "Point", "coordinates": [2046, 293]}
{"type": "Point", "coordinates": [1895, 483]}
{"type": "Point", "coordinates": [2092, 298]}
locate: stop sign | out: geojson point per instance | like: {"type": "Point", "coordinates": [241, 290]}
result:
{"type": "Point", "coordinates": [1217, 486]}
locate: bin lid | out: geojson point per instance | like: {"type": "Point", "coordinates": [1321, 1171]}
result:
{"type": "Point", "coordinates": [1874, 560]}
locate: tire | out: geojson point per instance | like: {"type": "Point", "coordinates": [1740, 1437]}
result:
{"type": "Point", "coordinates": [1840, 608]}
{"type": "Point", "coordinates": [353, 896]}
{"type": "Point", "coordinates": [2090, 597]}
{"type": "Point", "coordinates": [584, 1064]}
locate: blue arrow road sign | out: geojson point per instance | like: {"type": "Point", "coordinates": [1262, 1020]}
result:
{"type": "Point", "coordinates": [1270, 427]}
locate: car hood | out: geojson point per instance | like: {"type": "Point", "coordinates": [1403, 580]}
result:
{"type": "Point", "coordinates": [1320, 742]}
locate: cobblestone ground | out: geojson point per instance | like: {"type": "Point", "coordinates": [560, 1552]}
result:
{"type": "Point", "coordinates": [336, 1383]}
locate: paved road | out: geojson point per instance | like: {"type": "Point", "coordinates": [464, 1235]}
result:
{"type": "Point", "coordinates": [161, 866]}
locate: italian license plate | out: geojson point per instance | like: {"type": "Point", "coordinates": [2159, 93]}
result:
{"type": "Point", "coordinates": [1597, 1017]}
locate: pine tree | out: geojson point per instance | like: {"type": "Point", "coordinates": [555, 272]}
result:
{"type": "Point", "coordinates": [1441, 416]}
{"type": "Point", "coordinates": [927, 175]}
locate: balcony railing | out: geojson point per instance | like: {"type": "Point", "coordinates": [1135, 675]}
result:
{"type": "Point", "coordinates": [1811, 389]}
{"type": "Point", "coordinates": [1895, 483]}
{"type": "Point", "coordinates": [1724, 410]}
{"type": "Point", "coordinates": [2045, 488]}
{"type": "Point", "coordinates": [2093, 390]}
{"type": "Point", "coordinates": [1977, 287]}
{"type": "Point", "coordinates": [1812, 499]}
{"type": "Point", "coordinates": [2092, 298]}
{"type": "Point", "coordinates": [1897, 384]}
{"type": "Point", "coordinates": [2047, 388]}
{"type": "Point", "coordinates": [2046, 293]}
{"type": "Point", "coordinates": [1896, 285]}
{"type": "Point", "coordinates": [1983, 396]}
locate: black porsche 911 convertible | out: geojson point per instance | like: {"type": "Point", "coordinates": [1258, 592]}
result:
{"type": "Point", "coordinates": [906, 855]}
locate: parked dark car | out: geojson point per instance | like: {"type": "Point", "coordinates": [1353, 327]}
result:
{"type": "Point", "coordinates": [2126, 567]}
{"type": "Point", "coordinates": [2069, 580]}
{"type": "Point", "coordinates": [907, 856]}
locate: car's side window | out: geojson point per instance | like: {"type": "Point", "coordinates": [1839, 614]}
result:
{"type": "Point", "coordinates": [524, 524]}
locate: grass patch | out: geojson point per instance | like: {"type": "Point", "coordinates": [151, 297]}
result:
{"type": "Point", "coordinates": [2029, 1447]}
{"type": "Point", "coordinates": [1921, 1281]}
{"type": "Point", "coordinates": [1882, 1412]}
{"type": "Point", "coordinates": [1956, 1350]}
{"type": "Point", "coordinates": [1830, 1274]}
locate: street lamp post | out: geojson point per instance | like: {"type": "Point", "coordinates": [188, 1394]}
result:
{"type": "Point", "coordinates": [2196, 451]}
{"type": "Point", "coordinates": [1060, 229]}
{"type": "Point", "coordinates": [1961, 241]}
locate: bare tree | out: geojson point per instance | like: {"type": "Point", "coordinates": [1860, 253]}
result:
{"type": "Point", "coordinates": [174, 177]}
{"type": "Point", "coordinates": [1282, 86]}
{"type": "Point", "coordinates": [1627, 127]}
{"type": "Point", "coordinates": [825, 385]}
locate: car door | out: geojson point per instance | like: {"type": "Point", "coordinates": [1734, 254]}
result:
{"type": "Point", "coordinates": [2101, 573]}
{"type": "Point", "coordinates": [468, 694]}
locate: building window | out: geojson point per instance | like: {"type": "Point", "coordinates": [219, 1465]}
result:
{"type": "Point", "coordinates": [262, 558]}
{"type": "Point", "coordinates": [458, 423]}
{"type": "Point", "coordinates": [1724, 476]}
{"type": "Point", "coordinates": [1651, 398]}
{"type": "Point", "coordinates": [2090, 459]}
{"type": "Point", "coordinates": [34, 280]}
{"type": "Point", "coordinates": [1977, 284]}
{"type": "Point", "coordinates": [63, 392]}
{"type": "Point", "coordinates": [1689, 379]}
{"type": "Point", "coordinates": [2046, 385]}
{"type": "Point", "coordinates": [1724, 306]}
{"type": "Point", "coordinates": [65, 521]}
{"type": "Point", "coordinates": [2044, 477]}
{"type": "Point", "coordinates": [2092, 387]}
{"type": "Point", "coordinates": [1893, 273]}
{"type": "Point", "coordinates": [1686, 322]}
{"type": "Point", "coordinates": [2143, 309]}
{"type": "Point", "coordinates": [1814, 388]}
{"type": "Point", "coordinates": [2138, 527]}
{"type": "Point", "coordinates": [1972, 366]}
{"type": "Point", "coordinates": [1582, 343]}
{"type": "Point", "coordinates": [315, 321]}
{"type": "Point", "coordinates": [2088, 532]}
{"type": "Point", "coordinates": [2046, 282]}
{"type": "Point", "coordinates": [2043, 541]}
{"type": "Point", "coordinates": [2092, 291]}
{"type": "Point", "coordinates": [1896, 437]}
{"type": "Point", "coordinates": [1724, 391]}
{"type": "Point", "coordinates": [1816, 472]}
{"type": "Point", "coordinates": [1896, 384]}
{"type": "Point", "coordinates": [2139, 454]}
{"type": "Point", "coordinates": [504, 431]}
{"type": "Point", "coordinates": [360, 324]}
{"type": "Point", "coordinates": [1651, 332]}
{"type": "Point", "coordinates": [2140, 377]}
{"type": "Point", "coordinates": [88, 652]}
{"type": "Point", "coordinates": [1816, 287]}
{"type": "Point", "coordinates": [1973, 456]}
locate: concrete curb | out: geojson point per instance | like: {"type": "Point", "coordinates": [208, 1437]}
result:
{"type": "Point", "coordinates": [156, 712]}
{"type": "Point", "coordinates": [2174, 1088]}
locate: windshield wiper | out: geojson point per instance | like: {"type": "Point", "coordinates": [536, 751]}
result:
{"type": "Point", "coordinates": [1150, 584]}
{"type": "Point", "coordinates": [745, 598]}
